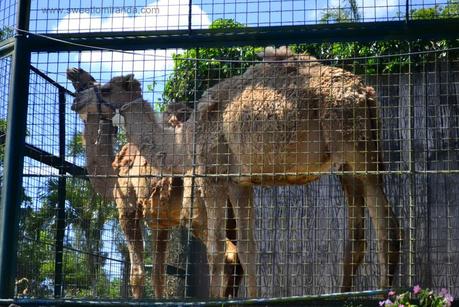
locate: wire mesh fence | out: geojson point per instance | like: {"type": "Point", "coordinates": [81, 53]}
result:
{"type": "Point", "coordinates": [229, 172]}
{"type": "Point", "coordinates": [94, 16]}
{"type": "Point", "coordinates": [300, 231]}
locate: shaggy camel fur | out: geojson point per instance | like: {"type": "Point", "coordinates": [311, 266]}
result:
{"type": "Point", "coordinates": [281, 122]}
{"type": "Point", "coordinates": [139, 194]}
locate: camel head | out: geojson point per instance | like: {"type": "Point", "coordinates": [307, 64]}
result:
{"type": "Point", "coordinates": [91, 97]}
{"type": "Point", "coordinates": [177, 113]}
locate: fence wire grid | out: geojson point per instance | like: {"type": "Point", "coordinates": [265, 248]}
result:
{"type": "Point", "coordinates": [94, 16]}
{"type": "Point", "coordinates": [236, 172]}
{"type": "Point", "coordinates": [300, 231]}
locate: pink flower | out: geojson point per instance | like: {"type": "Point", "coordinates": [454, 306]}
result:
{"type": "Point", "coordinates": [416, 289]}
{"type": "Point", "coordinates": [387, 302]}
{"type": "Point", "coordinates": [391, 293]}
{"type": "Point", "coordinates": [448, 299]}
{"type": "Point", "coordinates": [443, 292]}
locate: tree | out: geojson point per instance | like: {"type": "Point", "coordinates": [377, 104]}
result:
{"type": "Point", "coordinates": [6, 32]}
{"type": "Point", "coordinates": [84, 259]}
{"type": "Point", "coordinates": [406, 50]}
{"type": "Point", "coordinates": [191, 77]}
{"type": "Point", "coordinates": [31, 226]}
{"type": "Point", "coordinates": [86, 215]}
{"type": "Point", "coordinates": [343, 14]}
{"type": "Point", "coordinates": [195, 70]}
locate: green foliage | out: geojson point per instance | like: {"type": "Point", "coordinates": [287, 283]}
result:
{"type": "Point", "coordinates": [76, 146]}
{"type": "Point", "coordinates": [2, 126]}
{"type": "Point", "coordinates": [451, 10]}
{"type": "Point", "coordinates": [35, 253]}
{"type": "Point", "coordinates": [6, 32]}
{"type": "Point", "coordinates": [85, 215]}
{"type": "Point", "coordinates": [83, 204]}
{"type": "Point", "coordinates": [393, 64]}
{"type": "Point", "coordinates": [191, 78]}
{"type": "Point", "coordinates": [121, 139]}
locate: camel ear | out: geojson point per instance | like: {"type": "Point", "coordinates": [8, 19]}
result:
{"type": "Point", "coordinates": [80, 78]}
{"type": "Point", "coordinates": [127, 81]}
{"type": "Point", "coordinates": [128, 78]}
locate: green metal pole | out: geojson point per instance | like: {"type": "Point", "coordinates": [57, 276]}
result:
{"type": "Point", "coordinates": [14, 154]}
{"type": "Point", "coordinates": [60, 210]}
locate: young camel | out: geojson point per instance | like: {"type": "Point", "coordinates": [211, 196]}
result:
{"type": "Point", "coordinates": [281, 122]}
{"type": "Point", "coordinates": [139, 194]}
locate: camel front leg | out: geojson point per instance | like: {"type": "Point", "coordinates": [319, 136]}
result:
{"type": "Point", "coordinates": [241, 199]}
{"type": "Point", "coordinates": [388, 232]}
{"type": "Point", "coordinates": [214, 195]}
{"type": "Point", "coordinates": [354, 250]}
{"type": "Point", "coordinates": [130, 220]}
{"type": "Point", "coordinates": [159, 247]}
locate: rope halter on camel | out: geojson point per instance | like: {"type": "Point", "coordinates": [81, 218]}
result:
{"type": "Point", "coordinates": [101, 119]}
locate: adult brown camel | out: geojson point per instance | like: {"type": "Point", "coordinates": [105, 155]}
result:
{"type": "Point", "coordinates": [282, 122]}
{"type": "Point", "coordinates": [140, 195]}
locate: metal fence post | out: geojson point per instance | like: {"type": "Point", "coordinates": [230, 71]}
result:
{"type": "Point", "coordinates": [14, 153]}
{"type": "Point", "coordinates": [60, 210]}
{"type": "Point", "coordinates": [412, 178]}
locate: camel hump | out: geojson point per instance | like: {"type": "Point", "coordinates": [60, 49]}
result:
{"type": "Point", "coordinates": [276, 54]}
{"type": "Point", "coordinates": [283, 53]}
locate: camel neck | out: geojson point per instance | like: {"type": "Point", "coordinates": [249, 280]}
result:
{"type": "Point", "coordinates": [157, 142]}
{"type": "Point", "coordinates": [99, 137]}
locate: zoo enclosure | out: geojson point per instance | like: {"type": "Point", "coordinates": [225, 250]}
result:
{"type": "Point", "coordinates": [262, 34]}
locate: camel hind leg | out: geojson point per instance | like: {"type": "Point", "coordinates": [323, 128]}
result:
{"type": "Point", "coordinates": [204, 205]}
{"type": "Point", "coordinates": [233, 268]}
{"type": "Point", "coordinates": [354, 250]}
{"type": "Point", "coordinates": [241, 199]}
{"type": "Point", "coordinates": [388, 231]}
{"type": "Point", "coordinates": [216, 238]}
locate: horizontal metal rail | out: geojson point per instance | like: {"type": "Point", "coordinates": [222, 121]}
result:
{"type": "Point", "coordinates": [254, 36]}
{"type": "Point", "coordinates": [50, 160]}
{"type": "Point", "coordinates": [51, 81]}
{"type": "Point", "coordinates": [170, 269]}
{"type": "Point", "coordinates": [280, 176]}
{"type": "Point", "coordinates": [74, 250]}
{"type": "Point", "coordinates": [335, 299]}
{"type": "Point", "coordinates": [6, 47]}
